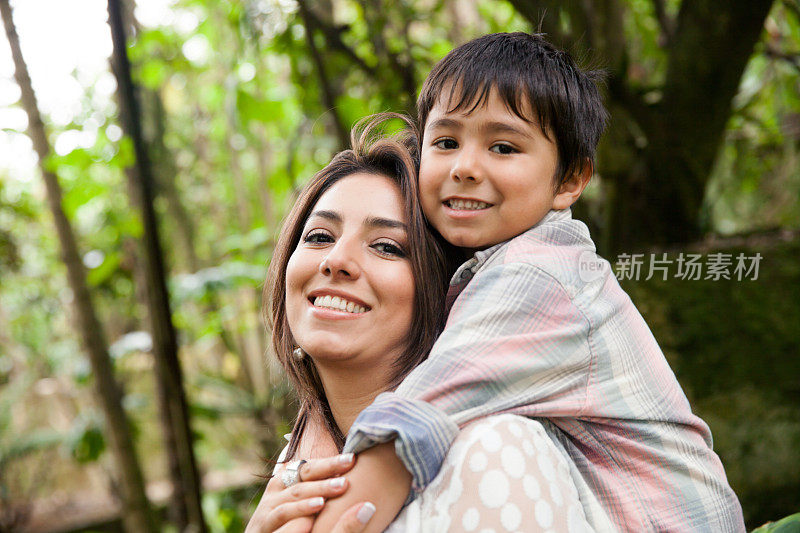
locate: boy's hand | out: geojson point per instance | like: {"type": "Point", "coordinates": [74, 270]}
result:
{"type": "Point", "coordinates": [293, 508]}
{"type": "Point", "coordinates": [378, 477]}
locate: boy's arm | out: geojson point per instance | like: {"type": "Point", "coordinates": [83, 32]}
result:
{"type": "Point", "coordinates": [378, 477]}
{"type": "Point", "coordinates": [514, 338]}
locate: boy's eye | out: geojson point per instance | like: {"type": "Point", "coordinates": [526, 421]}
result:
{"type": "Point", "coordinates": [388, 248]}
{"type": "Point", "coordinates": [446, 144]}
{"type": "Point", "coordinates": [502, 148]}
{"type": "Point", "coordinates": [317, 237]}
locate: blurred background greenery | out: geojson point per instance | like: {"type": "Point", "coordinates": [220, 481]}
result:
{"type": "Point", "coordinates": [242, 100]}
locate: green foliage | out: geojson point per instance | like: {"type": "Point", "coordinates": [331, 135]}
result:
{"type": "Point", "coordinates": [224, 513]}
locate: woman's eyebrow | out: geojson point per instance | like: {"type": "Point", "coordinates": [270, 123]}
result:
{"type": "Point", "coordinates": [329, 215]}
{"type": "Point", "coordinates": [380, 222]}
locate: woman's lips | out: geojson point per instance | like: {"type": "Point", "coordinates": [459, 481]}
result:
{"type": "Point", "coordinates": [338, 303]}
{"type": "Point", "coordinates": [326, 313]}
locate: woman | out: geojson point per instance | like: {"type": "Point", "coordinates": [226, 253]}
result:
{"type": "Point", "coordinates": [356, 301]}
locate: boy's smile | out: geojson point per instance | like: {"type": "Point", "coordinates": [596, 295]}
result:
{"type": "Point", "coordinates": [486, 175]}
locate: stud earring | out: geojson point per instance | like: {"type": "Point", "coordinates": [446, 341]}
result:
{"type": "Point", "coordinates": [299, 354]}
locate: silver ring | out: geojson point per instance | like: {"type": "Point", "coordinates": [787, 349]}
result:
{"type": "Point", "coordinates": [291, 476]}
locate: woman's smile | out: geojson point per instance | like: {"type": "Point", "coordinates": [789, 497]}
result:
{"type": "Point", "coordinates": [337, 301]}
{"type": "Point", "coordinates": [335, 308]}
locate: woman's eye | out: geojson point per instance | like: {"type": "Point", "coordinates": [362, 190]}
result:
{"type": "Point", "coordinates": [318, 237]}
{"type": "Point", "coordinates": [446, 144]}
{"type": "Point", "coordinates": [502, 148]}
{"type": "Point", "coordinates": [387, 248]}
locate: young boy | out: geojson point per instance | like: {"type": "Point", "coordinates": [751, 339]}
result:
{"type": "Point", "coordinates": [510, 127]}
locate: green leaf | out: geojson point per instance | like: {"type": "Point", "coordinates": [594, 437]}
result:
{"type": "Point", "coordinates": [86, 443]}
{"type": "Point", "coordinates": [790, 524]}
{"type": "Point", "coordinates": [107, 268]}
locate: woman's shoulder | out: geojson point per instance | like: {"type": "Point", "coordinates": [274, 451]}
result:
{"type": "Point", "coordinates": [507, 442]}
{"type": "Point", "coordinates": [493, 431]}
{"type": "Point", "coordinates": [502, 472]}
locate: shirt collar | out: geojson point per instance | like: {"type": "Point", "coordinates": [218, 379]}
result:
{"type": "Point", "coordinates": [468, 269]}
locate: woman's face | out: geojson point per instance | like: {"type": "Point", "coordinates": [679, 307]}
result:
{"type": "Point", "coordinates": [349, 284]}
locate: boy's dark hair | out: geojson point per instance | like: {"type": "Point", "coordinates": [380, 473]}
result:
{"type": "Point", "coordinates": [524, 69]}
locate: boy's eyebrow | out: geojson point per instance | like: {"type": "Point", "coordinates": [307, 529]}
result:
{"type": "Point", "coordinates": [503, 127]}
{"type": "Point", "coordinates": [445, 122]}
{"type": "Point", "coordinates": [492, 126]}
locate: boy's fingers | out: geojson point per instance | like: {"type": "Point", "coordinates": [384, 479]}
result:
{"type": "Point", "coordinates": [355, 519]}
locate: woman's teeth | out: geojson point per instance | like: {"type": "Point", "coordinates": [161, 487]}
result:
{"type": "Point", "coordinates": [339, 304]}
{"type": "Point", "coordinates": [467, 205]}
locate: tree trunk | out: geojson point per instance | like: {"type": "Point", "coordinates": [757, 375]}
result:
{"type": "Point", "coordinates": [709, 51]}
{"type": "Point", "coordinates": [178, 437]}
{"type": "Point", "coordinates": [168, 173]}
{"type": "Point", "coordinates": [136, 513]}
{"type": "Point", "coordinates": [656, 179]}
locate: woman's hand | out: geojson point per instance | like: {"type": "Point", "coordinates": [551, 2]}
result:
{"type": "Point", "coordinates": [292, 509]}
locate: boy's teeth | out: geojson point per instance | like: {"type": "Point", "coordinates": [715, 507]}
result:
{"type": "Point", "coordinates": [339, 304]}
{"type": "Point", "coordinates": [467, 205]}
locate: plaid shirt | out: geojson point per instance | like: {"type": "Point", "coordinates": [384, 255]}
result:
{"type": "Point", "coordinates": [531, 333]}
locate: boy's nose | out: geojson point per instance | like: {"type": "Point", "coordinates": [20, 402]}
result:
{"type": "Point", "coordinates": [467, 167]}
{"type": "Point", "coordinates": [340, 262]}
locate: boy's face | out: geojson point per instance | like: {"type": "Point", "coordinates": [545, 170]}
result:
{"type": "Point", "coordinates": [485, 176]}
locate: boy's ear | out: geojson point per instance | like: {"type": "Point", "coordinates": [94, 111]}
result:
{"type": "Point", "coordinates": [569, 191]}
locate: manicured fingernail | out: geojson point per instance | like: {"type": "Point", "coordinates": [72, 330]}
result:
{"type": "Point", "coordinates": [336, 483]}
{"type": "Point", "coordinates": [346, 458]}
{"type": "Point", "coordinates": [365, 513]}
{"type": "Point", "coordinates": [315, 503]}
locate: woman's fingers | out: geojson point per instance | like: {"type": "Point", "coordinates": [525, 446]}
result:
{"type": "Point", "coordinates": [299, 525]}
{"type": "Point", "coordinates": [355, 519]}
{"type": "Point", "coordinates": [327, 488]}
{"type": "Point", "coordinates": [316, 469]}
{"type": "Point", "coordinates": [282, 514]}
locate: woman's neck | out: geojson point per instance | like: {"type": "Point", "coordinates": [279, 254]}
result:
{"type": "Point", "coordinates": [349, 391]}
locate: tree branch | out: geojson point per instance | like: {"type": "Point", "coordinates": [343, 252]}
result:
{"type": "Point", "coordinates": [543, 17]}
{"type": "Point", "coordinates": [376, 25]}
{"type": "Point", "coordinates": [666, 23]}
{"type": "Point", "coordinates": [792, 58]}
{"type": "Point", "coordinates": [333, 36]}
{"type": "Point", "coordinates": [328, 93]}
{"type": "Point", "coordinates": [792, 6]}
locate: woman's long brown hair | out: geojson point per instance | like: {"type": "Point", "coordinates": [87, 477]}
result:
{"type": "Point", "coordinates": [395, 158]}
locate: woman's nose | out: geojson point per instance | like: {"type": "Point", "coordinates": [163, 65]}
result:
{"type": "Point", "coordinates": [341, 261]}
{"type": "Point", "coordinates": [467, 167]}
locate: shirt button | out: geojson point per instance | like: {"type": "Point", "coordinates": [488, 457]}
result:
{"type": "Point", "coordinates": [466, 274]}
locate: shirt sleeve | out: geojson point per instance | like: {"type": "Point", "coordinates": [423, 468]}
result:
{"type": "Point", "coordinates": [514, 342]}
